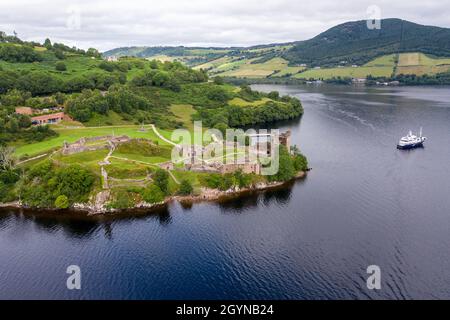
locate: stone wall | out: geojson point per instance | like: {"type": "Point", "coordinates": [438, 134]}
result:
{"type": "Point", "coordinates": [82, 144]}
{"type": "Point", "coordinates": [223, 168]}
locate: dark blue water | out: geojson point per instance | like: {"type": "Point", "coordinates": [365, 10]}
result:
{"type": "Point", "coordinates": [364, 203]}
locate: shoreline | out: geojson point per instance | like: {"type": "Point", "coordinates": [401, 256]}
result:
{"type": "Point", "coordinates": [207, 195]}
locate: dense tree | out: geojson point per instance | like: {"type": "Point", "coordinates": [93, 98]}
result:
{"type": "Point", "coordinates": [60, 66]}
{"type": "Point", "coordinates": [14, 98]}
{"type": "Point", "coordinates": [242, 180]}
{"type": "Point", "coordinates": [161, 179]}
{"type": "Point", "coordinates": [218, 94]}
{"type": "Point", "coordinates": [107, 66]}
{"type": "Point", "coordinates": [45, 184]}
{"type": "Point", "coordinates": [74, 182]}
{"type": "Point", "coordinates": [7, 158]}
{"type": "Point", "coordinates": [59, 54]}
{"type": "Point", "coordinates": [300, 162]}
{"type": "Point", "coordinates": [286, 169]}
{"type": "Point", "coordinates": [82, 107]}
{"type": "Point", "coordinates": [8, 80]}
{"type": "Point", "coordinates": [78, 83]}
{"type": "Point", "coordinates": [274, 95]}
{"type": "Point", "coordinates": [48, 44]}
{"type": "Point", "coordinates": [13, 53]}
{"type": "Point", "coordinates": [153, 194]}
{"type": "Point", "coordinates": [122, 200]}
{"type": "Point", "coordinates": [38, 83]}
{"type": "Point", "coordinates": [122, 100]}
{"type": "Point", "coordinates": [185, 188]}
{"type": "Point", "coordinates": [218, 80]}
{"type": "Point", "coordinates": [93, 53]}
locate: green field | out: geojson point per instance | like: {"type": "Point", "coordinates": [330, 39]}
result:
{"type": "Point", "coordinates": [76, 64]}
{"type": "Point", "coordinates": [242, 103]}
{"type": "Point", "coordinates": [89, 159]}
{"type": "Point", "coordinates": [122, 169]}
{"type": "Point", "coordinates": [163, 58]}
{"type": "Point", "coordinates": [112, 118]}
{"type": "Point", "coordinates": [192, 177]}
{"type": "Point", "coordinates": [288, 71]}
{"type": "Point", "coordinates": [140, 158]}
{"type": "Point", "coordinates": [213, 64]}
{"type": "Point", "coordinates": [351, 72]}
{"type": "Point", "coordinates": [183, 113]}
{"type": "Point", "coordinates": [247, 69]}
{"type": "Point", "coordinates": [420, 64]}
{"type": "Point", "coordinates": [384, 66]}
{"type": "Point", "coordinates": [384, 61]}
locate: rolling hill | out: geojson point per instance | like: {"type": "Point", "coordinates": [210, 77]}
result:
{"type": "Point", "coordinates": [354, 43]}
{"type": "Point", "coordinates": [349, 50]}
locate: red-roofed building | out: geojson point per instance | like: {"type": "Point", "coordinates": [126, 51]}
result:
{"type": "Point", "coordinates": [24, 110]}
{"type": "Point", "coordinates": [49, 118]}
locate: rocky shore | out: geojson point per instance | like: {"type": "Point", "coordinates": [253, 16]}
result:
{"type": "Point", "coordinates": [98, 205]}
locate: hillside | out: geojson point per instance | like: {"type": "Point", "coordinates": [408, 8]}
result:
{"type": "Point", "coordinates": [187, 55]}
{"type": "Point", "coordinates": [76, 128]}
{"type": "Point", "coordinates": [37, 80]}
{"type": "Point", "coordinates": [349, 50]}
{"type": "Point", "coordinates": [195, 56]}
{"type": "Point", "coordinates": [354, 43]}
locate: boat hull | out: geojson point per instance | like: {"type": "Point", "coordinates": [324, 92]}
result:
{"type": "Point", "coordinates": [410, 146]}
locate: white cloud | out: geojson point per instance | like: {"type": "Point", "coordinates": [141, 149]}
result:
{"type": "Point", "coordinates": [108, 24]}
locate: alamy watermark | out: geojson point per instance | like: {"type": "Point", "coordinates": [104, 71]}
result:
{"type": "Point", "coordinates": [258, 151]}
{"type": "Point", "coordinates": [73, 282]}
{"type": "Point", "coordinates": [373, 17]}
{"type": "Point", "coordinates": [374, 279]}
{"type": "Point", "coordinates": [73, 21]}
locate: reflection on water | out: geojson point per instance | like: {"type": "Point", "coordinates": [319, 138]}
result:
{"type": "Point", "coordinates": [79, 225]}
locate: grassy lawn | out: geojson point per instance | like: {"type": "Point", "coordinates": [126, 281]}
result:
{"type": "Point", "coordinates": [112, 118]}
{"type": "Point", "coordinates": [192, 177]}
{"type": "Point", "coordinates": [65, 124]}
{"type": "Point", "coordinates": [122, 169]}
{"type": "Point", "coordinates": [141, 158]}
{"type": "Point", "coordinates": [89, 159]}
{"type": "Point", "coordinates": [242, 103]}
{"type": "Point", "coordinates": [72, 135]}
{"type": "Point", "coordinates": [75, 64]}
{"type": "Point", "coordinates": [183, 113]}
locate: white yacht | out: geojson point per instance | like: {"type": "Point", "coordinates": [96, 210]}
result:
{"type": "Point", "coordinates": [411, 141]}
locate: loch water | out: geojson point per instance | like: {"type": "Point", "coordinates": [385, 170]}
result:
{"type": "Point", "coordinates": [364, 203]}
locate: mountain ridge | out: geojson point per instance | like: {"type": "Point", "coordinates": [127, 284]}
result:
{"type": "Point", "coordinates": [354, 42]}
{"type": "Point", "coordinates": [351, 41]}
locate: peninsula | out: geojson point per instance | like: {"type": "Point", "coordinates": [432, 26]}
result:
{"type": "Point", "coordinates": [83, 132]}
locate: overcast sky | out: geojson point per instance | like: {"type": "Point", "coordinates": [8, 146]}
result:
{"type": "Point", "coordinates": [109, 24]}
